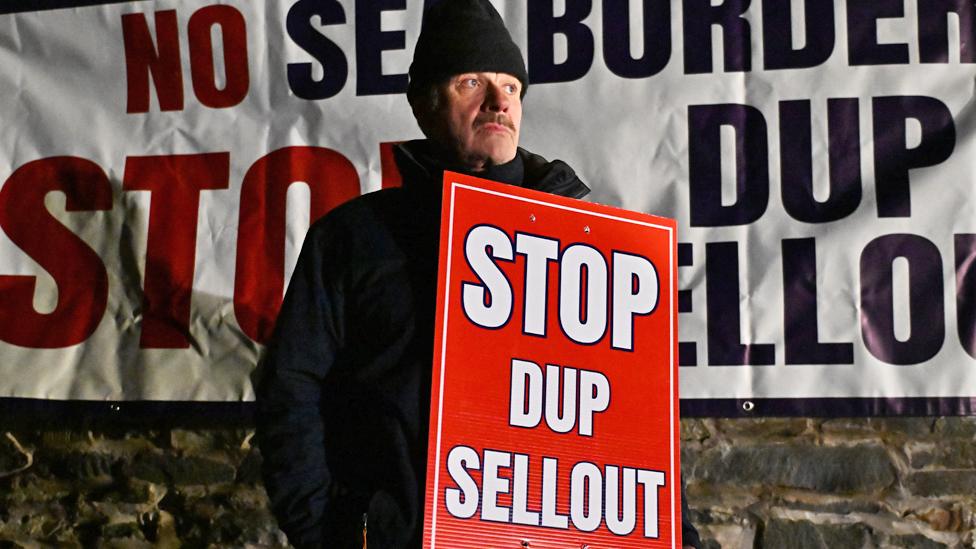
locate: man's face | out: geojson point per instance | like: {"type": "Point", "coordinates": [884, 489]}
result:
{"type": "Point", "coordinates": [478, 118]}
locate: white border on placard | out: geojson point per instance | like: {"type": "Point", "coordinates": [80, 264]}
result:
{"type": "Point", "coordinates": [443, 363]}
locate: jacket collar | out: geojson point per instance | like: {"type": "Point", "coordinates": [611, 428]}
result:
{"type": "Point", "coordinates": [420, 169]}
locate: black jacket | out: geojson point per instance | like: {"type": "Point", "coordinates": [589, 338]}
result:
{"type": "Point", "coordinates": [343, 401]}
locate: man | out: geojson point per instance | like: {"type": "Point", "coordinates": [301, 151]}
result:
{"type": "Point", "coordinates": [344, 400]}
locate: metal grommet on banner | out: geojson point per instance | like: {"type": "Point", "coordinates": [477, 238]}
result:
{"type": "Point", "coordinates": [748, 406]}
{"type": "Point", "coordinates": [532, 218]}
{"type": "Point", "coordinates": [586, 229]}
{"type": "Point", "coordinates": [525, 543]}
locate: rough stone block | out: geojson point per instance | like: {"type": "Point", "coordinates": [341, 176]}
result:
{"type": "Point", "coordinates": [38, 522]}
{"type": "Point", "coordinates": [916, 541]}
{"type": "Point", "coordinates": [169, 469]}
{"type": "Point", "coordinates": [843, 506]}
{"type": "Point", "coordinates": [727, 535]}
{"type": "Point", "coordinates": [138, 491]}
{"type": "Point", "coordinates": [88, 467]}
{"type": "Point", "coordinates": [246, 497]}
{"type": "Point", "coordinates": [896, 427]}
{"type": "Point", "coordinates": [802, 534]}
{"type": "Point", "coordinates": [837, 469]}
{"type": "Point", "coordinates": [957, 454]}
{"type": "Point", "coordinates": [849, 426]}
{"type": "Point", "coordinates": [29, 488]}
{"type": "Point", "coordinates": [766, 427]}
{"type": "Point", "coordinates": [126, 543]}
{"type": "Point", "coordinates": [64, 441]}
{"type": "Point", "coordinates": [956, 427]}
{"type": "Point", "coordinates": [689, 457]}
{"type": "Point", "coordinates": [693, 430]}
{"type": "Point", "coordinates": [942, 483]}
{"type": "Point", "coordinates": [124, 444]}
{"type": "Point", "coordinates": [911, 427]}
{"type": "Point", "coordinates": [129, 530]}
{"type": "Point", "coordinates": [254, 526]}
{"type": "Point", "coordinates": [200, 441]}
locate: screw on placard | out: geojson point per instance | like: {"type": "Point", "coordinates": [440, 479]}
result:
{"type": "Point", "coordinates": [532, 218]}
{"type": "Point", "coordinates": [525, 543]}
{"type": "Point", "coordinates": [586, 229]}
{"type": "Point", "coordinates": [748, 406]}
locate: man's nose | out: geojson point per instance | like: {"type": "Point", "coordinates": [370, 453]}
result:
{"type": "Point", "coordinates": [496, 100]}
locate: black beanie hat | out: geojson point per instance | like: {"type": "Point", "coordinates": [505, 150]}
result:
{"type": "Point", "coordinates": [460, 36]}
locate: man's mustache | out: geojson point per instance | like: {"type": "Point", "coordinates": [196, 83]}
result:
{"type": "Point", "coordinates": [501, 119]}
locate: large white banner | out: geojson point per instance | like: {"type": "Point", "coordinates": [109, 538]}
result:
{"type": "Point", "coordinates": [160, 162]}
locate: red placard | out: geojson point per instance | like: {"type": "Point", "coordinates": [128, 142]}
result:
{"type": "Point", "coordinates": [554, 407]}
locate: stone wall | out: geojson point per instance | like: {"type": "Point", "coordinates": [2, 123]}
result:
{"type": "Point", "coordinates": [840, 483]}
{"type": "Point", "coordinates": [148, 488]}
{"type": "Point", "coordinates": [752, 483]}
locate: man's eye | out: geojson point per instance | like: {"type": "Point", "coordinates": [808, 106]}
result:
{"type": "Point", "coordinates": [470, 82]}
{"type": "Point", "coordinates": [511, 89]}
